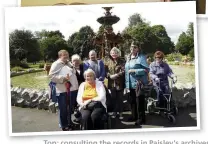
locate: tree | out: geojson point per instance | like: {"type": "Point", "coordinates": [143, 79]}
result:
{"type": "Point", "coordinates": [151, 38]}
{"type": "Point", "coordinates": [135, 19]}
{"type": "Point", "coordinates": [164, 41]}
{"type": "Point", "coordinates": [81, 41]}
{"type": "Point", "coordinates": [23, 45]}
{"type": "Point", "coordinates": [51, 46]}
{"type": "Point", "coordinates": [144, 35]}
{"type": "Point", "coordinates": [190, 31]}
{"type": "Point", "coordinates": [185, 42]}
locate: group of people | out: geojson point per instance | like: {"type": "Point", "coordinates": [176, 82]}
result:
{"type": "Point", "coordinates": [81, 85]}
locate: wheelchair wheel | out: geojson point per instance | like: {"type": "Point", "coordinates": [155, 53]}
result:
{"type": "Point", "coordinates": [109, 122]}
{"type": "Point", "coordinates": [150, 110]}
{"type": "Point", "coordinates": [150, 106]}
{"type": "Point", "coordinates": [171, 119]}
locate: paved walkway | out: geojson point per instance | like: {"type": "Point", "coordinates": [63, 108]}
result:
{"type": "Point", "coordinates": [33, 120]}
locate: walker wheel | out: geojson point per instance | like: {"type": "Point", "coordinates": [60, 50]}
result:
{"type": "Point", "coordinates": [175, 111]}
{"type": "Point", "coordinates": [172, 119]}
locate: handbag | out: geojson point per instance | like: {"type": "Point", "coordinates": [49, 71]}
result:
{"type": "Point", "coordinates": [93, 105]}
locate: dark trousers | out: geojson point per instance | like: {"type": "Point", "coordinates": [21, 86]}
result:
{"type": "Point", "coordinates": [73, 100]}
{"type": "Point", "coordinates": [64, 113]}
{"type": "Point", "coordinates": [164, 90]}
{"type": "Point", "coordinates": [137, 105]}
{"type": "Point", "coordinates": [66, 105]}
{"type": "Point", "coordinates": [117, 99]}
{"type": "Point", "coordinates": [92, 120]}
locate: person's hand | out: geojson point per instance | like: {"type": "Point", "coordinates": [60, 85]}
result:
{"type": "Point", "coordinates": [87, 102]}
{"type": "Point", "coordinates": [174, 79]}
{"type": "Point", "coordinates": [157, 80]}
{"type": "Point", "coordinates": [113, 77]}
{"type": "Point", "coordinates": [132, 71]}
{"type": "Point", "coordinates": [127, 90]}
{"type": "Point", "coordinates": [66, 78]}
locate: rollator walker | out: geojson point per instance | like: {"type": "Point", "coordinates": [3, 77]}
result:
{"type": "Point", "coordinates": [169, 108]}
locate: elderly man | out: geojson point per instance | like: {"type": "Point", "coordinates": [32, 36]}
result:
{"type": "Point", "coordinates": [96, 65]}
{"type": "Point", "coordinates": [64, 87]}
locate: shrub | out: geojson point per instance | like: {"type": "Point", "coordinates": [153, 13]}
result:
{"type": "Point", "coordinates": [24, 65]}
{"type": "Point", "coordinates": [17, 69]}
{"type": "Point", "coordinates": [17, 63]}
{"type": "Point", "coordinates": [14, 63]}
{"type": "Point", "coordinates": [41, 65]}
{"type": "Point", "coordinates": [191, 53]}
{"type": "Point", "coordinates": [173, 56]}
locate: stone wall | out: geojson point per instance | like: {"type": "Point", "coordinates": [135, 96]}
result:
{"type": "Point", "coordinates": [12, 74]}
{"type": "Point", "coordinates": [184, 96]}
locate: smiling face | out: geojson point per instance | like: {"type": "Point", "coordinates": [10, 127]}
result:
{"type": "Point", "coordinates": [76, 62]}
{"type": "Point", "coordinates": [90, 78]}
{"type": "Point", "coordinates": [134, 49]}
{"type": "Point", "coordinates": [64, 56]}
{"type": "Point", "coordinates": [92, 56]}
{"type": "Point", "coordinates": [158, 59]}
{"type": "Point", "coordinates": [114, 54]}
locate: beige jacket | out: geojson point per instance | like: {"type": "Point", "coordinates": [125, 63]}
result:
{"type": "Point", "coordinates": [59, 79]}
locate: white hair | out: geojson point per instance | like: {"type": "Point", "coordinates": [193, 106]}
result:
{"type": "Point", "coordinates": [115, 49]}
{"type": "Point", "coordinates": [75, 57]}
{"type": "Point", "coordinates": [88, 71]}
{"type": "Point", "coordinates": [92, 51]}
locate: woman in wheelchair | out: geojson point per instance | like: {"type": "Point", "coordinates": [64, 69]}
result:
{"type": "Point", "coordinates": [159, 73]}
{"type": "Point", "coordinates": [92, 101]}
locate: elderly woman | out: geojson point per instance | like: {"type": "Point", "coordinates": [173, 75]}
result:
{"type": "Point", "coordinates": [92, 101]}
{"type": "Point", "coordinates": [76, 62]}
{"type": "Point", "coordinates": [159, 73]}
{"type": "Point", "coordinates": [136, 72]}
{"type": "Point", "coordinates": [116, 80]}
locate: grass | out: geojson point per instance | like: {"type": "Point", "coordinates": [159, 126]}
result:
{"type": "Point", "coordinates": [185, 74]}
{"type": "Point", "coordinates": [34, 80]}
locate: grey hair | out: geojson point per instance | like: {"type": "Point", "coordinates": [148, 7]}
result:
{"type": "Point", "coordinates": [62, 51]}
{"type": "Point", "coordinates": [89, 71]}
{"type": "Point", "coordinates": [115, 49]}
{"type": "Point", "coordinates": [75, 57]}
{"type": "Point", "coordinates": [92, 51]}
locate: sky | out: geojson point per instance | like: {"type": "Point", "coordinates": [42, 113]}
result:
{"type": "Point", "coordinates": [175, 16]}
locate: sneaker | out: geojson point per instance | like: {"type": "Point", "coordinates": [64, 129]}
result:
{"type": "Point", "coordinates": [121, 116]}
{"type": "Point", "coordinates": [113, 115]}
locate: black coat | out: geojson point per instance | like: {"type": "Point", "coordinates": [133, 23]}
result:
{"type": "Point", "coordinates": [80, 77]}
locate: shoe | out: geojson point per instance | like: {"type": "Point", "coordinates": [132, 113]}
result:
{"type": "Point", "coordinates": [113, 115]}
{"type": "Point", "coordinates": [140, 122]}
{"type": "Point", "coordinates": [121, 116]}
{"type": "Point", "coordinates": [131, 119]}
{"type": "Point", "coordinates": [66, 129]}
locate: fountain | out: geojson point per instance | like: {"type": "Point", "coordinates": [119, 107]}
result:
{"type": "Point", "coordinates": [107, 39]}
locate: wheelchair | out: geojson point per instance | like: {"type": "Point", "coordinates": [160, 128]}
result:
{"type": "Point", "coordinates": [105, 118]}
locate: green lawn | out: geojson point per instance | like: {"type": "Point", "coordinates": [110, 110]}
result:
{"type": "Point", "coordinates": [39, 80]}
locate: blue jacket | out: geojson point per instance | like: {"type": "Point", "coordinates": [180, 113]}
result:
{"type": "Point", "coordinates": [101, 69]}
{"type": "Point", "coordinates": [140, 65]}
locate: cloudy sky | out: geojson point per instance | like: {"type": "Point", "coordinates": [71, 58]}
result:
{"type": "Point", "coordinates": [175, 16]}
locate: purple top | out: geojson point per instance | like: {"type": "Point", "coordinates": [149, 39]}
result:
{"type": "Point", "coordinates": [160, 70]}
